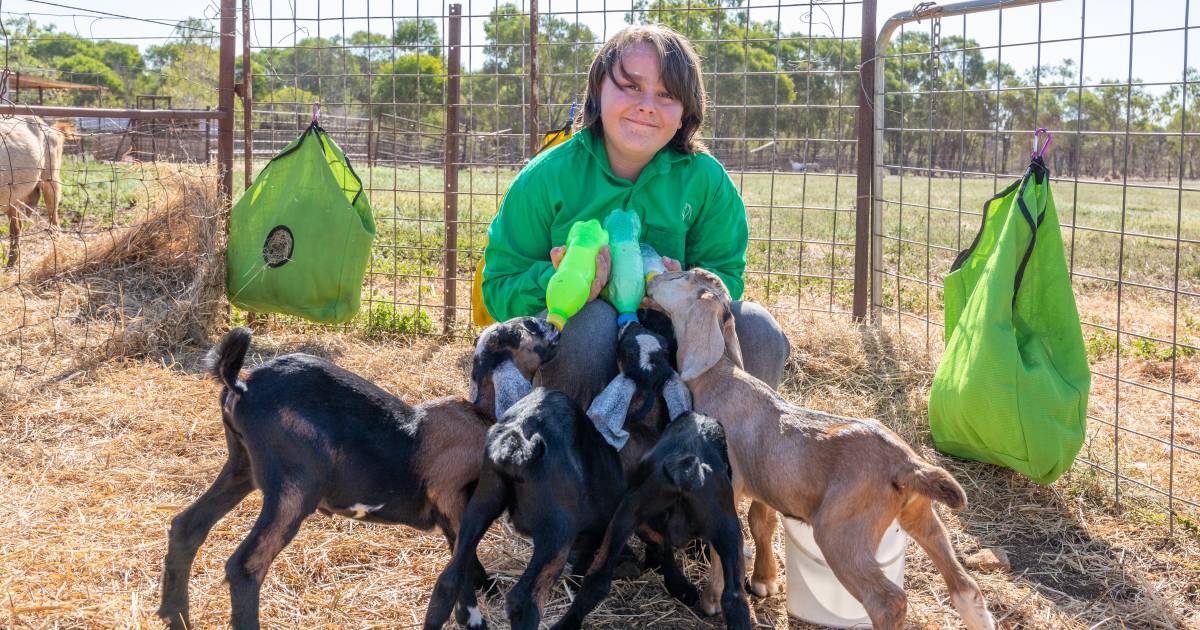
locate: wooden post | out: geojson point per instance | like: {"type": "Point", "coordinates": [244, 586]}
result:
{"type": "Point", "coordinates": [247, 97]}
{"type": "Point", "coordinates": [371, 142]}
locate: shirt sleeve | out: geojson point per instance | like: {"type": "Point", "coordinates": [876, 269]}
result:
{"type": "Point", "coordinates": [717, 239]}
{"type": "Point", "coordinates": [517, 263]}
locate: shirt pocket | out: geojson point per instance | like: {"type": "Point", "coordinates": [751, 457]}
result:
{"type": "Point", "coordinates": [669, 243]}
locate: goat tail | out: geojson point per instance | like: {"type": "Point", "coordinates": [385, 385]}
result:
{"type": "Point", "coordinates": [935, 483]}
{"type": "Point", "coordinates": [511, 451]}
{"type": "Point", "coordinates": [227, 357]}
{"type": "Point", "coordinates": [686, 472]}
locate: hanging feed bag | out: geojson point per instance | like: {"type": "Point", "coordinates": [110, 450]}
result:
{"type": "Point", "coordinates": [300, 236]}
{"type": "Point", "coordinates": [1012, 386]}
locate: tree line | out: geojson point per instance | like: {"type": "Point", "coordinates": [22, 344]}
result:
{"type": "Point", "coordinates": [778, 97]}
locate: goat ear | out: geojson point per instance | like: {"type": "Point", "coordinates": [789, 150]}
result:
{"type": "Point", "coordinates": [706, 336]}
{"type": "Point", "coordinates": [609, 408]}
{"type": "Point", "coordinates": [509, 385]}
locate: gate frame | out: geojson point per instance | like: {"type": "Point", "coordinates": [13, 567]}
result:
{"type": "Point", "coordinates": [878, 86]}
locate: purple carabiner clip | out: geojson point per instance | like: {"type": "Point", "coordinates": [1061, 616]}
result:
{"type": "Point", "coordinates": [316, 111]}
{"type": "Point", "coordinates": [1036, 134]}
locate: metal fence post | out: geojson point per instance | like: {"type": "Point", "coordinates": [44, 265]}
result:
{"type": "Point", "coordinates": [450, 191]}
{"type": "Point", "coordinates": [247, 97]}
{"type": "Point", "coordinates": [533, 79]}
{"type": "Point", "coordinates": [866, 157]}
{"type": "Point", "coordinates": [225, 100]}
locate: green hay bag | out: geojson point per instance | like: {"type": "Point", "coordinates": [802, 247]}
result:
{"type": "Point", "coordinates": [1012, 386]}
{"type": "Point", "coordinates": [300, 237]}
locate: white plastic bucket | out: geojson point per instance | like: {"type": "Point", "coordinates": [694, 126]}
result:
{"type": "Point", "coordinates": [815, 595]}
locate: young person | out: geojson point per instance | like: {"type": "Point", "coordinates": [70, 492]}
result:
{"type": "Point", "coordinates": [636, 146]}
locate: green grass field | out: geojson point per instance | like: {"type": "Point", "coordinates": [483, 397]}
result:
{"type": "Point", "coordinates": [802, 231]}
{"type": "Point", "coordinates": [801, 252]}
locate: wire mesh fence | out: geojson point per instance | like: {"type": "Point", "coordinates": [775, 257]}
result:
{"type": "Point", "coordinates": [956, 99]}
{"type": "Point", "coordinates": [1113, 80]}
{"type": "Point", "coordinates": [782, 82]}
{"type": "Point", "coordinates": [109, 178]}
{"type": "Point", "coordinates": [108, 254]}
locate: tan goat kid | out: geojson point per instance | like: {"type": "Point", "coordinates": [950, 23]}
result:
{"type": "Point", "coordinates": [848, 478]}
{"type": "Point", "coordinates": [30, 159]}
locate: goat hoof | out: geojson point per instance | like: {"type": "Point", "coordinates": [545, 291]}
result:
{"type": "Point", "coordinates": [764, 588]}
{"type": "Point", "coordinates": [476, 621]}
{"type": "Point", "coordinates": [175, 620]}
{"type": "Point", "coordinates": [710, 608]}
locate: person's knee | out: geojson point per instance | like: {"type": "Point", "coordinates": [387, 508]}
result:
{"type": "Point", "coordinates": [761, 327]}
{"type": "Point", "coordinates": [586, 357]}
{"type": "Point", "coordinates": [765, 347]}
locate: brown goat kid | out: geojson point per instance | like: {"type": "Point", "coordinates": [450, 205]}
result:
{"type": "Point", "coordinates": [846, 477]}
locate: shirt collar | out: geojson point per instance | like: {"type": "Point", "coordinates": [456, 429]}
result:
{"type": "Point", "coordinates": [660, 163]}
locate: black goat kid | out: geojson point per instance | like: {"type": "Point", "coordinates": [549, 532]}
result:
{"type": "Point", "coordinates": [559, 474]}
{"type": "Point", "coordinates": [313, 436]}
{"type": "Point", "coordinates": [682, 488]}
{"type": "Point", "coordinates": [549, 467]}
{"type": "Point", "coordinates": [687, 478]}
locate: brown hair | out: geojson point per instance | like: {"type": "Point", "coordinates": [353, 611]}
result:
{"type": "Point", "coordinates": [680, 75]}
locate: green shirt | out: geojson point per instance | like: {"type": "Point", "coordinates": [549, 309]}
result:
{"type": "Point", "coordinates": [689, 207]}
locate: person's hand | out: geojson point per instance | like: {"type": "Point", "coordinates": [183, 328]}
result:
{"type": "Point", "coordinates": [603, 267]}
{"type": "Point", "coordinates": [672, 265]}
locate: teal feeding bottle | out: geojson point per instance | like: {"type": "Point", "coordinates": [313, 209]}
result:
{"type": "Point", "coordinates": [652, 263]}
{"type": "Point", "coordinates": [627, 279]}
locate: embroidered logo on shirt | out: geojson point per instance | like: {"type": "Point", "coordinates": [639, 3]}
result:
{"type": "Point", "coordinates": [687, 211]}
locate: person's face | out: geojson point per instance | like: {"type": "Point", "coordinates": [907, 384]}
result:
{"type": "Point", "coordinates": [639, 116]}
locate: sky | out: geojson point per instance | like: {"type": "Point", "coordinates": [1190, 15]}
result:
{"type": "Point", "coordinates": [1158, 56]}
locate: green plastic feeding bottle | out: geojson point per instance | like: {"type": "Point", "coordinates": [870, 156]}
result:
{"type": "Point", "coordinates": [572, 281]}
{"type": "Point", "coordinates": [627, 280]}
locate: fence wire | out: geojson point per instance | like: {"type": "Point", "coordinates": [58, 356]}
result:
{"type": "Point", "coordinates": [959, 98]}
{"type": "Point", "coordinates": [1115, 82]}
{"type": "Point", "coordinates": [114, 232]}
{"type": "Point", "coordinates": [782, 82]}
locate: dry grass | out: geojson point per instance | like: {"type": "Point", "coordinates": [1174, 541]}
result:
{"type": "Point", "coordinates": [93, 470]}
{"type": "Point", "coordinates": [98, 450]}
{"type": "Point", "coordinates": [88, 296]}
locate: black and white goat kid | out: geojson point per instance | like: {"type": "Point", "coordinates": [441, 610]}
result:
{"type": "Point", "coordinates": [313, 436]}
{"type": "Point", "coordinates": [683, 485]}
{"type": "Point", "coordinates": [552, 468]}
{"type": "Point", "coordinates": [559, 481]}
